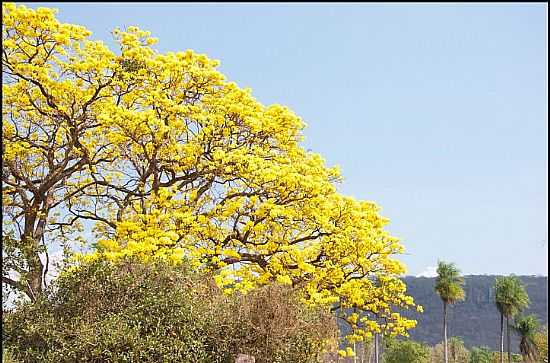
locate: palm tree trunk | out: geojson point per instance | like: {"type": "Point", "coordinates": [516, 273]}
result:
{"type": "Point", "coordinates": [445, 332]}
{"type": "Point", "coordinates": [526, 353]}
{"type": "Point", "coordinates": [508, 339]}
{"type": "Point", "coordinates": [501, 338]}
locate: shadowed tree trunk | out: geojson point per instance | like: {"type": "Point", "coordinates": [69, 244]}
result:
{"type": "Point", "coordinates": [381, 344]}
{"type": "Point", "coordinates": [376, 350]}
{"type": "Point", "coordinates": [446, 353]}
{"type": "Point", "coordinates": [508, 345]}
{"type": "Point", "coordinates": [501, 338]}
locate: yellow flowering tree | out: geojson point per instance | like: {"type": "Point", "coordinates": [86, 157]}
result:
{"type": "Point", "coordinates": [164, 158]}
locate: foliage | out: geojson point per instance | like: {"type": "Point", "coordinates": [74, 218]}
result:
{"type": "Point", "coordinates": [470, 318]}
{"type": "Point", "coordinates": [449, 283]}
{"type": "Point", "coordinates": [129, 312]}
{"type": "Point", "coordinates": [515, 357]}
{"type": "Point", "coordinates": [165, 159]}
{"type": "Point", "coordinates": [457, 352]}
{"type": "Point", "coordinates": [7, 356]}
{"type": "Point", "coordinates": [405, 351]}
{"type": "Point", "coordinates": [526, 327]}
{"type": "Point", "coordinates": [481, 355]}
{"type": "Point", "coordinates": [510, 295]}
{"type": "Point", "coordinates": [540, 340]}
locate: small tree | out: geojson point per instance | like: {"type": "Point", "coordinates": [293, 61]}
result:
{"type": "Point", "coordinates": [510, 299]}
{"type": "Point", "coordinates": [448, 285]}
{"type": "Point", "coordinates": [526, 327]}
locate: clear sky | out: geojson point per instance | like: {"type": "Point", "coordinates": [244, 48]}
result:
{"type": "Point", "coordinates": [438, 113]}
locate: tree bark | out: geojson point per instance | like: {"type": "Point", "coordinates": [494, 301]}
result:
{"type": "Point", "coordinates": [376, 348]}
{"type": "Point", "coordinates": [446, 352]}
{"type": "Point", "coordinates": [501, 338]}
{"type": "Point", "coordinates": [381, 346]}
{"type": "Point", "coordinates": [33, 281]}
{"type": "Point", "coordinates": [508, 339]}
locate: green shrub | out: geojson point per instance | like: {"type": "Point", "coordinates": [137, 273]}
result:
{"type": "Point", "coordinates": [405, 351]}
{"type": "Point", "coordinates": [7, 356]}
{"type": "Point", "coordinates": [481, 355]}
{"type": "Point", "coordinates": [132, 312]}
{"type": "Point", "coordinates": [515, 357]}
{"type": "Point", "coordinates": [541, 342]}
{"type": "Point", "coordinates": [458, 353]}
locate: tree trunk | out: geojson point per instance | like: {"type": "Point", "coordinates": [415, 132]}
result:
{"type": "Point", "coordinates": [381, 345]}
{"type": "Point", "coordinates": [524, 350]}
{"type": "Point", "coordinates": [376, 348]}
{"type": "Point", "coordinates": [34, 279]}
{"type": "Point", "coordinates": [32, 284]}
{"type": "Point", "coordinates": [30, 240]}
{"type": "Point", "coordinates": [446, 352]}
{"type": "Point", "coordinates": [371, 352]}
{"type": "Point", "coordinates": [501, 338]}
{"type": "Point", "coordinates": [508, 339]}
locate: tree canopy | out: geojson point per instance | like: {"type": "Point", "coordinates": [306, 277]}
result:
{"type": "Point", "coordinates": [510, 295]}
{"type": "Point", "coordinates": [157, 155]}
{"type": "Point", "coordinates": [449, 284]}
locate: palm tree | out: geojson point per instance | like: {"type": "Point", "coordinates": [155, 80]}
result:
{"type": "Point", "coordinates": [448, 285]}
{"type": "Point", "coordinates": [510, 298]}
{"type": "Point", "coordinates": [527, 327]}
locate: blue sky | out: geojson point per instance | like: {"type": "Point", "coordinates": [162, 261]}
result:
{"type": "Point", "coordinates": [436, 112]}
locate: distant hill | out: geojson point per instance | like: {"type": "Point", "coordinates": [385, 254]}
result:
{"type": "Point", "coordinates": [476, 320]}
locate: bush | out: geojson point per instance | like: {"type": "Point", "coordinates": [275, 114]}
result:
{"type": "Point", "coordinates": [481, 355]}
{"type": "Point", "coordinates": [515, 357]}
{"type": "Point", "coordinates": [132, 312]}
{"type": "Point", "coordinates": [541, 342]}
{"type": "Point", "coordinates": [7, 356]}
{"type": "Point", "coordinates": [458, 353]}
{"type": "Point", "coordinates": [405, 351]}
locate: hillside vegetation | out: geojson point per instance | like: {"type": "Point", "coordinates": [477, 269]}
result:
{"type": "Point", "coordinates": [475, 319]}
